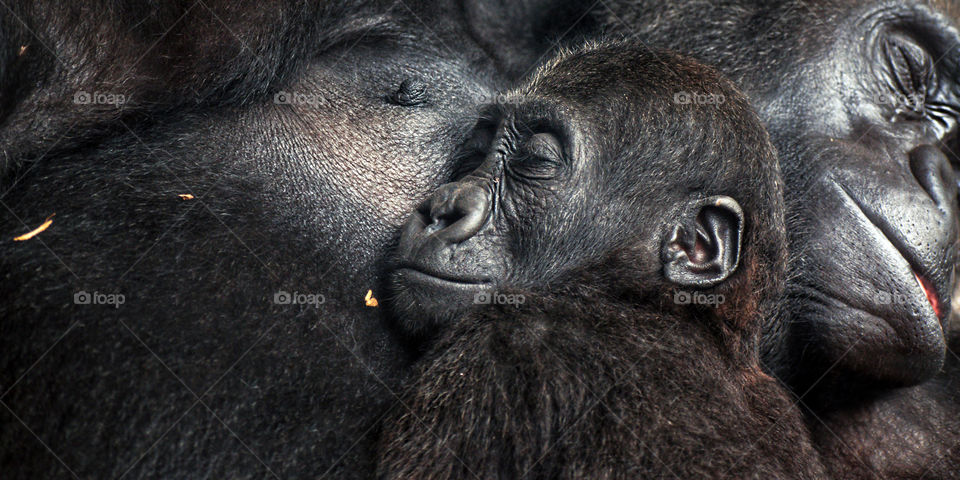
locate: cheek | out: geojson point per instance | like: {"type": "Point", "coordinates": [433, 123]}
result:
{"type": "Point", "coordinates": [350, 171]}
{"type": "Point", "coordinates": [544, 234]}
{"type": "Point", "coordinates": [528, 211]}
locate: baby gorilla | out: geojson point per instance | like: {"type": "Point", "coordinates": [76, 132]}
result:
{"type": "Point", "coordinates": [625, 230]}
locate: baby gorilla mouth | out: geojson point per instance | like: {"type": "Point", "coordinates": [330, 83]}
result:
{"type": "Point", "coordinates": [442, 279]}
{"type": "Point", "coordinates": [431, 300]}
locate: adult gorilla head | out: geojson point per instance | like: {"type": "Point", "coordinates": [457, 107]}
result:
{"type": "Point", "coordinates": [305, 131]}
{"type": "Point", "coordinates": [862, 100]}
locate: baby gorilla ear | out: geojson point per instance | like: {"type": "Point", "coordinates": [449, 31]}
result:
{"type": "Point", "coordinates": [703, 248]}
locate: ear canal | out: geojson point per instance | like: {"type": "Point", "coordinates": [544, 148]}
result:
{"type": "Point", "coordinates": [703, 248]}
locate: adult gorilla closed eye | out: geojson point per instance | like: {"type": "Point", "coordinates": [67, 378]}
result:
{"type": "Point", "coordinates": [305, 132]}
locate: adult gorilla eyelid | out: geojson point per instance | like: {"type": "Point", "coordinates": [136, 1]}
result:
{"type": "Point", "coordinates": [410, 93]}
{"type": "Point", "coordinates": [895, 52]}
{"type": "Point", "coordinates": [940, 45]}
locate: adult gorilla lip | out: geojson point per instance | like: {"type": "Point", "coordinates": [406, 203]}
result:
{"type": "Point", "coordinates": [858, 308]}
{"type": "Point", "coordinates": [877, 340]}
{"type": "Point", "coordinates": [931, 292]}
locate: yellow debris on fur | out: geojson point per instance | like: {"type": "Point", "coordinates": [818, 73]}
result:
{"type": "Point", "coordinates": [370, 299]}
{"type": "Point", "coordinates": [33, 233]}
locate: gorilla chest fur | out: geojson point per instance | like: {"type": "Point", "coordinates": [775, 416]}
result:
{"type": "Point", "coordinates": [560, 393]}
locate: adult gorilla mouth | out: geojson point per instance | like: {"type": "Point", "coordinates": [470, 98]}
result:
{"type": "Point", "coordinates": [930, 291]}
{"type": "Point", "coordinates": [875, 279]}
{"type": "Point", "coordinates": [937, 296]}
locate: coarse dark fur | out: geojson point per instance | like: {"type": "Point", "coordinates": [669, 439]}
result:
{"type": "Point", "coordinates": [600, 373]}
{"type": "Point", "coordinates": [201, 373]}
{"type": "Point", "coordinates": [569, 386]}
{"type": "Point", "coordinates": [894, 434]}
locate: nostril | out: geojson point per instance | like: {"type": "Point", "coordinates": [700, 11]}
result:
{"type": "Point", "coordinates": [425, 221]}
{"type": "Point", "coordinates": [441, 222]}
{"type": "Point", "coordinates": [457, 212]}
{"type": "Point", "coordinates": [435, 226]}
{"type": "Point", "coordinates": [443, 209]}
{"type": "Point", "coordinates": [932, 170]}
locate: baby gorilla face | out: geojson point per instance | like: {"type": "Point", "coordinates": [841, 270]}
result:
{"type": "Point", "coordinates": [593, 160]}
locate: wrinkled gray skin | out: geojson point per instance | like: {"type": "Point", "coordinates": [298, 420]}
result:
{"type": "Point", "coordinates": [305, 197]}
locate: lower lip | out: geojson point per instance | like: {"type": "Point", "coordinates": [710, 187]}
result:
{"type": "Point", "coordinates": [931, 294]}
{"type": "Point", "coordinates": [433, 278]}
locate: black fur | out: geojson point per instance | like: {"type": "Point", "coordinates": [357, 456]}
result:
{"type": "Point", "coordinates": [900, 434]}
{"type": "Point", "coordinates": [305, 197]}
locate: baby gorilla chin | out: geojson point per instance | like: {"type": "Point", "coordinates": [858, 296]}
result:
{"type": "Point", "coordinates": [440, 273]}
{"type": "Point", "coordinates": [438, 298]}
{"type": "Point", "coordinates": [598, 198]}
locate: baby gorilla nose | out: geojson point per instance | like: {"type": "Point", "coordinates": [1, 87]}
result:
{"type": "Point", "coordinates": [457, 211]}
{"type": "Point", "coordinates": [446, 262]}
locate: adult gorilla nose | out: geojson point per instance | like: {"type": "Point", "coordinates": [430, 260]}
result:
{"type": "Point", "coordinates": [933, 171]}
{"type": "Point", "coordinates": [456, 211]}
